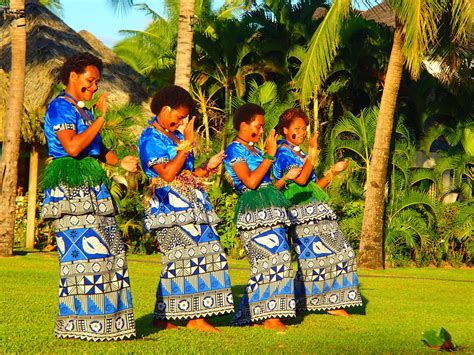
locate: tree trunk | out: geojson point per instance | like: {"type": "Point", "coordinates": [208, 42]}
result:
{"type": "Point", "coordinates": [11, 129]}
{"type": "Point", "coordinates": [371, 241]}
{"type": "Point", "coordinates": [32, 197]}
{"type": "Point", "coordinates": [185, 44]}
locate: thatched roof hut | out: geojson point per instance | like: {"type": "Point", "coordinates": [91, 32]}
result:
{"type": "Point", "coordinates": [381, 13]}
{"type": "Point", "coordinates": [49, 42]}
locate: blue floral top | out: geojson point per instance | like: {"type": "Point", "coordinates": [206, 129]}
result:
{"type": "Point", "coordinates": [180, 202]}
{"type": "Point", "coordinates": [154, 147]}
{"type": "Point", "coordinates": [62, 115]}
{"type": "Point", "coordinates": [236, 153]}
{"type": "Point", "coordinates": [286, 159]}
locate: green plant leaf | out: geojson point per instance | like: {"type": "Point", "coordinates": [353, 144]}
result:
{"type": "Point", "coordinates": [432, 339]}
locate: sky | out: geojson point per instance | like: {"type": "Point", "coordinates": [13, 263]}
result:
{"type": "Point", "coordinates": [99, 18]}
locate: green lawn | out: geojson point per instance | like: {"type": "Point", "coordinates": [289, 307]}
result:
{"type": "Point", "coordinates": [399, 305]}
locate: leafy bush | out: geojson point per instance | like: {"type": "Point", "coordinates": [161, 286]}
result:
{"type": "Point", "coordinates": [224, 204]}
{"type": "Point", "coordinates": [456, 230]}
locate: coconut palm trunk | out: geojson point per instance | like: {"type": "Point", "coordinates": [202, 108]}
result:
{"type": "Point", "coordinates": [371, 243]}
{"type": "Point", "coordinates": [32, 196]}
{"type": "Point", "coordinates": [11, 129]}
{"type": "Point", "coordinates": [185, 44]}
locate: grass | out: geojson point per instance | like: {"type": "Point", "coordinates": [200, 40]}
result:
{"type": "Point", "coordinates": [398, 305]}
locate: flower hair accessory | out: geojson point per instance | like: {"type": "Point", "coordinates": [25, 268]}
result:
{"type": "Point", "coordinates": [185, 146]}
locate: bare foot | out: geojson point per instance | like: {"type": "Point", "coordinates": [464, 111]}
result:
{"type": "Point", "coordinates": [275, 324]}
{"type": "Point", "coordinates": [203, 325]}
{"type": "Point", "coordinates": [339, 312]}
{"type": "Point", "coordinates": [164, 324]}
{"type": "Point", "coordinates": [49, 247]}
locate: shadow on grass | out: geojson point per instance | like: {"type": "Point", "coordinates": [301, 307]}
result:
{"type": "Point", "coordinates": [360, 310]}
{"type": "Point", "coordinates": [24, 251]}
{"type": "Point", "coordinates": [144, 327]}
{"type": "Point", "coordinates": [21, 252]}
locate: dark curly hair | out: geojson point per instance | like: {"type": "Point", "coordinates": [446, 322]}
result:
{"type": "Point", "coordinates": [287, 117]}
{"type": "Point", "coordinates": [246, 113]}
{"type": "Point", "coordinates": [77, 64]}
{"type": "Point", "coordinates": [173, 96]}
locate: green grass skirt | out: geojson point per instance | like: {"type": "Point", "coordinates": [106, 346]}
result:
{"type": "Point", "coordinates": [298, 194]}
{"type": "Point", "coordinates": [262, 198]}
{"type": "Point", "coordinates": [72, 172]}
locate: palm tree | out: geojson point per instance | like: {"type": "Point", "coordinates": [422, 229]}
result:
{"type": "Point", "coordinates": [184, 49]}
{"type": "Point", "coordinates": [416, 32]}
{"type": "Point", "coordinates": [11, 127]}
{"type": "Point", "coordinates": [152, 52]}
{"type": "Point", "coordinates": [205, 101]}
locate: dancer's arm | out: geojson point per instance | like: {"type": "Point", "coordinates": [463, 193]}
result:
{"type": "Point", "coordinates": [252, 179]}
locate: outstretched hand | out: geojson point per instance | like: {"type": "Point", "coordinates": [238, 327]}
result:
{"type": "Point", "coordinates": [129, 163]}
{"type": "Point", "coordinates": [313, 141]}
{"type": "Point", "coordinates": [101, 104]}
{"type": "Point", "coordinates": [216, 160]}
{"type": "Point", "coordinates": [189, 131]}
{"type": "Point", "coordinates": [313, 151]}
{"type": "Point", "coordinates": [271, 143]}
{"type": "Point", "coordinates": [340, 166]}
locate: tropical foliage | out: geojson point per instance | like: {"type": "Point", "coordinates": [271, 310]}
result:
{"type": "Point", "coordinates": [329, 59]}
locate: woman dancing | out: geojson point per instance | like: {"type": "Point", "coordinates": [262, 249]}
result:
{"type": "Point", "coordinates": [326, 278]}
{"type": "Point", "coordinates": [94, 288]}
{"type": "Point", "coordinates": [194, 281]}
{"type": "Point", "coordinates": [260, 220]}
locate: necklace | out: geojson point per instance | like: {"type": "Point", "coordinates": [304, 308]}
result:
{"type": "Point", "coordinates": [246, 142]}
{"type": "Point", "coordinates": [295, 148]}
{"type": "Point", "coordinates": [77, 105]}
{"type": "Point", "coordinates": [159, 124]}
{"type": "Point", "coordinates": [249, 146]}
{"type": "Point", "coordinates": [80, 104]}
{"type": "Point", "coordinates": [163, 130]}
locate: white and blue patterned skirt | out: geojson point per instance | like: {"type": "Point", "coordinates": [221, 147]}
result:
{"type": "Point", "coordinates": [95, 302]}
{"type": "Point", "coordinates": [326, 278]}
{"type": "Point", "coordinates": [194, 280]}
{"type": "Point", "coordinates": [269, 292]}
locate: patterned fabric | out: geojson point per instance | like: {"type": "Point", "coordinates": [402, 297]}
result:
{"type": "Point", "coordinates": [326, 277]}
{"type": "Point", "coordinates": [286, 159]}
{"type": "Point", "coordinates": [176, 204]}
{"type": "Point", "coordinates": [154, 147]}
{"type": "Point", "coordinates": [95, 302]}
{"type": "Point", "coordinates": [63, 115]}
{"type": "Point", "coordinates": [270, 291]}
{"type": "Point", "coordinates": [194, 281]}
{"type": "Point", "coordinates": [236, 153]}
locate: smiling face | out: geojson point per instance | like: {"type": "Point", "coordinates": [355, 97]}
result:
{"type": "Point", "coordinates": [82, 86]}
{"type": "Point", "coordinates": [252, 131]}
{"type": "Point", "coordinates": [172, 118]}
{"type": "Point", "coordinates": [296, 132]}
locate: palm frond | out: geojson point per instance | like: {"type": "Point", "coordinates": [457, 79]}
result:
{"type": "Point", "coordinates": [419, 19]}
{"type": "Point", "coordinates": [411, 199]}
{"type": "Point", "coordinates": [461, 20]}
{"type": "Point", "coordinates": [421, 174]}
{"type": "Point", "coordinates": [120, 6]}
{"type": "Point", "coordinates": [321, 51]}
{"type": "Point", "coordinates": [354, 146]}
